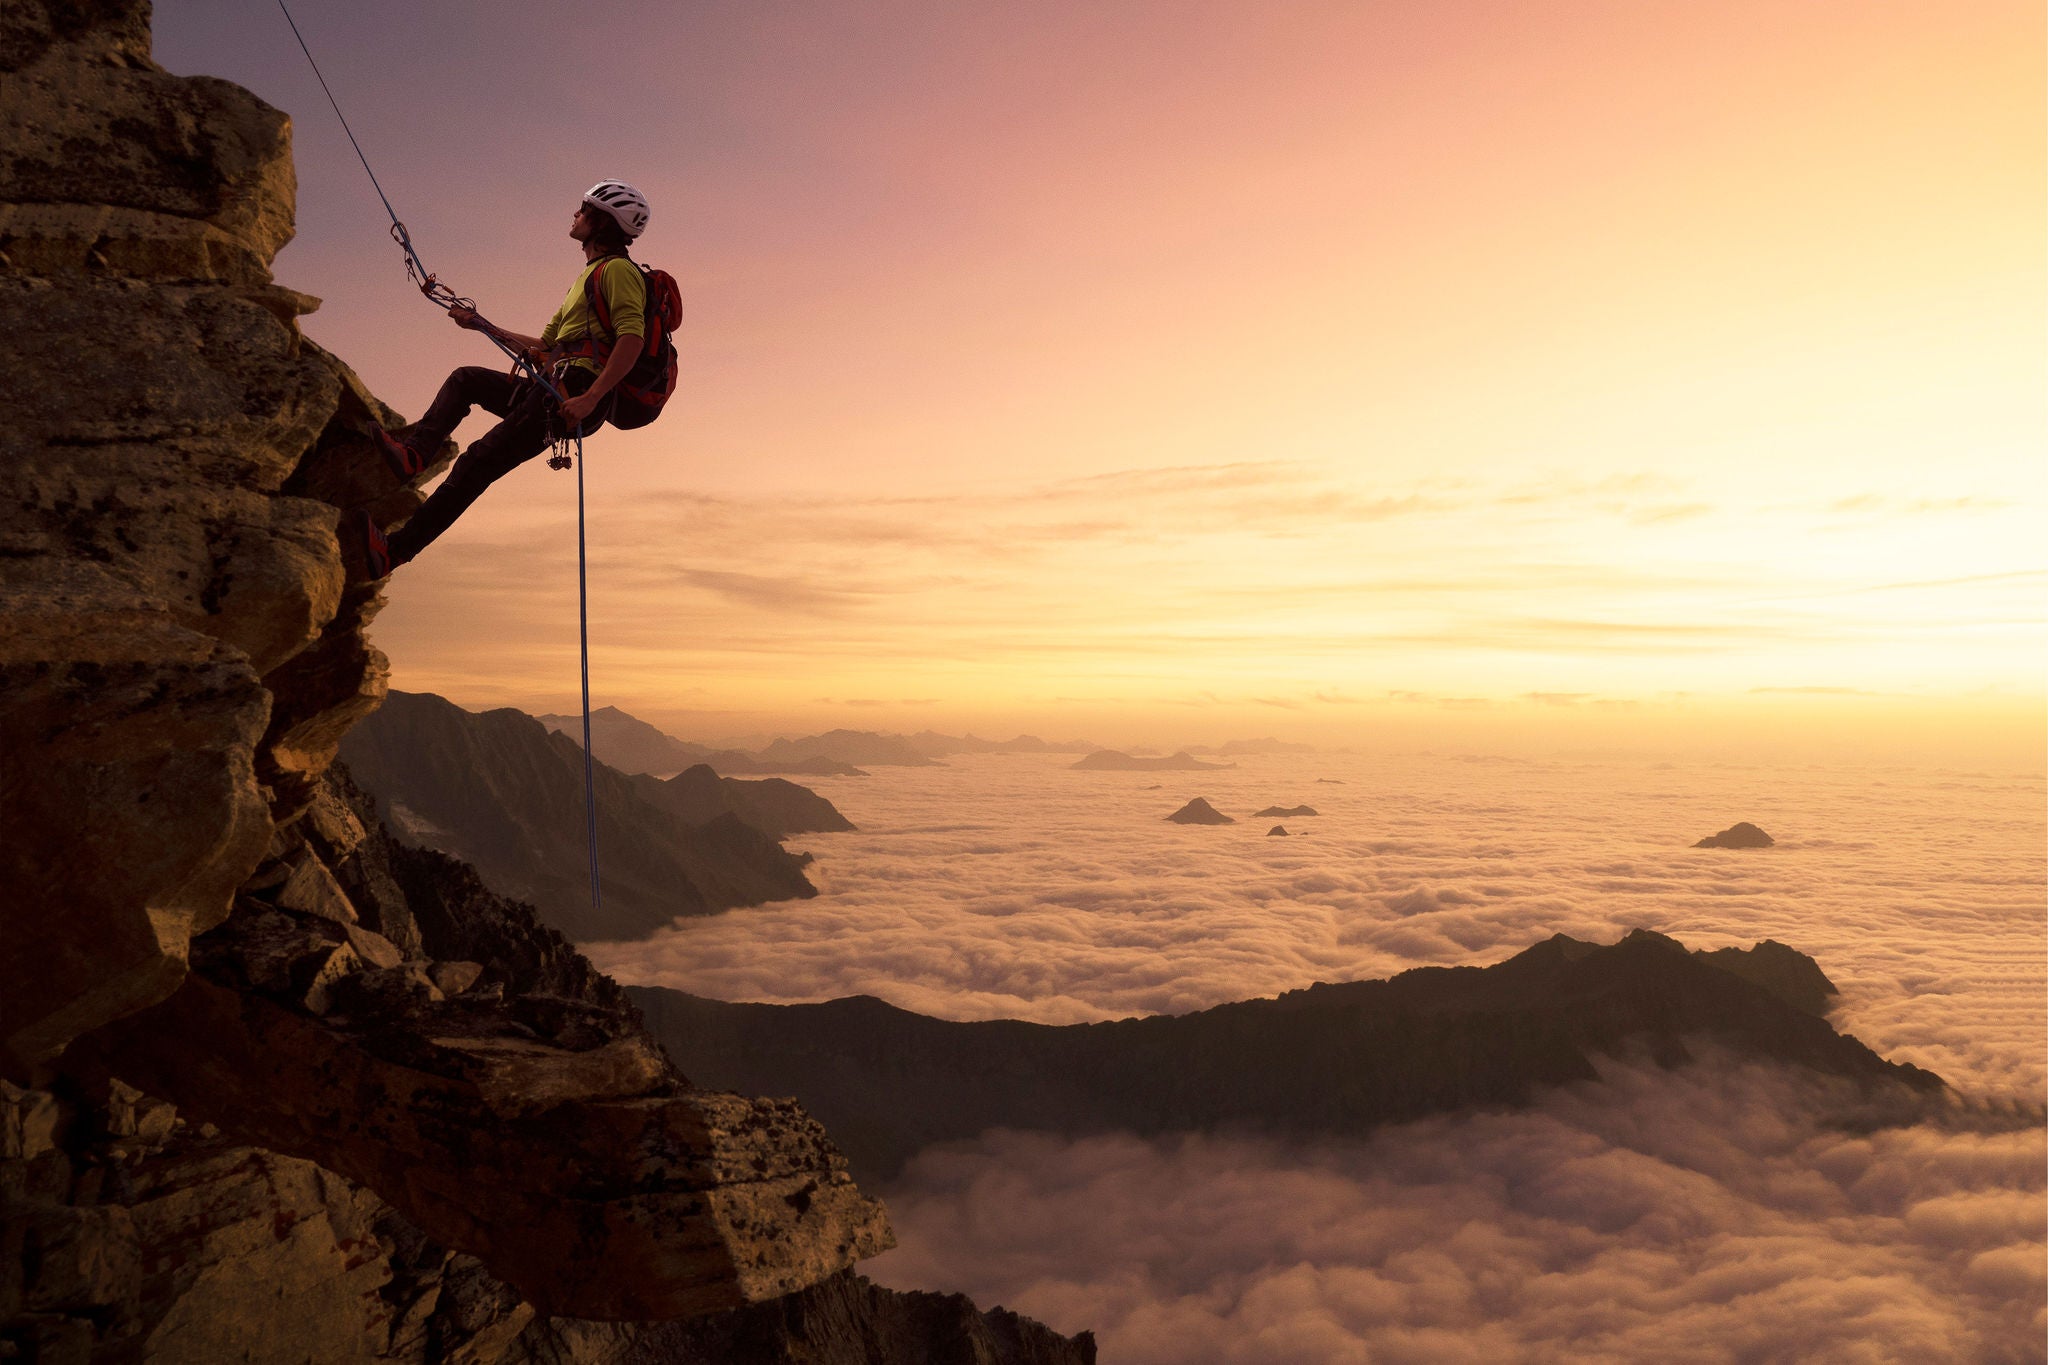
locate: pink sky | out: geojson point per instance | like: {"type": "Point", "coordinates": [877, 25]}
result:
{"type": "Point", "coordinates": [1065, 365]}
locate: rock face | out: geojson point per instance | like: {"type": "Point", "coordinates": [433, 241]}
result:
{"type": "Point", "coordinates": [499, 791]}
{"type": "Point", "coordinates": [132, 1230]}
{"type": "Point", "coordinates": [179, 650]}
{"type": "Point", "coordinates": [1740, 835]}
{"type": "Point", "coordinates": [510, 1107]}
{"type": "Point", "coordinates": [1329, 1060]}
{"type": "Point", "coordinates": [1200, 812]}
{"type": "Point", "coordinates": [258, 1100]}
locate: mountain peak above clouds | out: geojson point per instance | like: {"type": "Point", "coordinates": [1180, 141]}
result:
{"type": "Point", "coordinates": [1742, 834]}
{"type": "Point", "coordinates": [1200, 812]}
{"type": "Point", "coordinates": [1328, 1060]}
{"type": "Point", "coordinates": [504, 793]}
{"type": "Point", "coordinates": [1117, 761]}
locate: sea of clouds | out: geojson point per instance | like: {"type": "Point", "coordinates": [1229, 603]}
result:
{"type": "Point", "coordinates": [1723, 1212]}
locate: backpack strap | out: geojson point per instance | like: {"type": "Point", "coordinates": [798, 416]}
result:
{"type": "Point", "coordinates": [593, 296]}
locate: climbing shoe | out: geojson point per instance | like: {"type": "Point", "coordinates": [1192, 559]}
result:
{"type": "Point", "coordinates": [405, 460]}
{"type": "Point", "coordinates": [376, 549]}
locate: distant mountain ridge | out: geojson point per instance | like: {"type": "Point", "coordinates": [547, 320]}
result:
{"type": "Point", "coordinates": [632, 745]}
{"type": "Point", "coordinates": [1328, 1060]}
{"type": "Point", "coordinates": [1116, 761]}
{"type": "Point", "coordinates": [850, 746]}
{"type": "Point", "coordinates": [501, 792]}
{"type": "Point", "coordinates": [1267, 745]}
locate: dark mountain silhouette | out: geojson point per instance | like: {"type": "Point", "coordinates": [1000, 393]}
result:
{"type": "Point", "coordinates": [1115, 761]}
{"type": "Point", "coordinates": [501, 792]}
{"type": "Point", "coordinates": [775, 807]}
{"type": "Point", "coordinates": [1283, 813]}
{"type": "Point", "coordinates": [1328, 1060]}
{"type": "Point", "coordinates": [1740, 835]}
{"type": "Point", "coordinates": [628, 743]}
{"type": "Point", "coordinates": [1278, 831]}
{"type": "Point", "coordinates": [1785, 972]}
{"type": "Point", "coordinates": [1200, 812]}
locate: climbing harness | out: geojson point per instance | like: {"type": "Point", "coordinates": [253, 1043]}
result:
{"type": "Point", "coordinates": [440, 294]}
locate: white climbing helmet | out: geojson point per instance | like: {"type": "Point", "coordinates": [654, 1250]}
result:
{"type": "Point", "coordinates": [626, 205]}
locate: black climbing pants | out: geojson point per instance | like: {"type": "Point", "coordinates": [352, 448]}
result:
{"type": "Point", "coordinates": [523, 434]}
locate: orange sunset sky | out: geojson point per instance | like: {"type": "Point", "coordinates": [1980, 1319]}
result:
{"type": "Point", "coordinates": [1169, 372]}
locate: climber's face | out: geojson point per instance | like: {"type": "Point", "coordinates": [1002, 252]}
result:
{"type": "Point", "coordinates": [583, 224]}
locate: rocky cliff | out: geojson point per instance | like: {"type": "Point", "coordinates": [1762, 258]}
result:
{"type": "Point", "coordinates": [135, 1229]}
{"type": "Point", "coordinates": [270, 1086]}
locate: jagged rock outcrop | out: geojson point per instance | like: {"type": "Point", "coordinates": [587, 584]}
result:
{"type": "Point", "coordinates": [1200, 812]}
{"type": "Point", "coordinates": [130, 1230]}
{"type": "Point", "coordinates": [503, 793]}
{"type": "Point", "coordinates": [1742, 834]}
{"type": "Point", "coordinates": [1328, 1060]}
{"type": "Point", "coordinates": [193, 920]}
{"type": "Point", "coordinates": [179, 649]}
{"type": "Point", "coordinates": [513, 1109]}
{"type": "Point", "coordinates": [1785, 972]}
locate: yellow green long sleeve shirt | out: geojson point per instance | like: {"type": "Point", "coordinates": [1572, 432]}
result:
{"type": "Point", "coordinates": [625, 295]}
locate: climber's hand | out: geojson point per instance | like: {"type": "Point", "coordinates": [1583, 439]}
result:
{"type": "Point", "coordinates": [578, 406]}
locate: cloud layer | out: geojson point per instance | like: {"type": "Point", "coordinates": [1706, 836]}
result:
{"type": "Point", "coordinates": [1011, 887]}
{"type": "Point", "coordinates": [1725, 1212]}
{"type": "Point", "coordinates": [1708, 1215]}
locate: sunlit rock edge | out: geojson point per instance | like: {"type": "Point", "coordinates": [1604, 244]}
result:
{"type": "Point", "coordinates": [256, 1102]}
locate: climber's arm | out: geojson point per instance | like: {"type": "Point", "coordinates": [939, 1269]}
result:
{"type": "Point", "coordinates": [579, 406]}
{"type": "Point", "coordinates": [465, 318]}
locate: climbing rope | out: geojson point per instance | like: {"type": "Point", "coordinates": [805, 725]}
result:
{"type": "Point", "coordinates": [446, 298]}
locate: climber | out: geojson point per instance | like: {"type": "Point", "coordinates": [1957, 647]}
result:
{"type": "Point", "coordinates": [586, 363]}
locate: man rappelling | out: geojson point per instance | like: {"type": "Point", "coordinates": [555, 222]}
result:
{"type": "Point", "coordinates": [604, 358]}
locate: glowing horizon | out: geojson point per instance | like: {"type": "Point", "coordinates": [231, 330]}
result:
{"type": "Point", "coordinates": [1054, 369]}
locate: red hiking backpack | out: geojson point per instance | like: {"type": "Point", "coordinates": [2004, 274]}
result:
{"type": "Point", "coordinates": [640, 395]}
